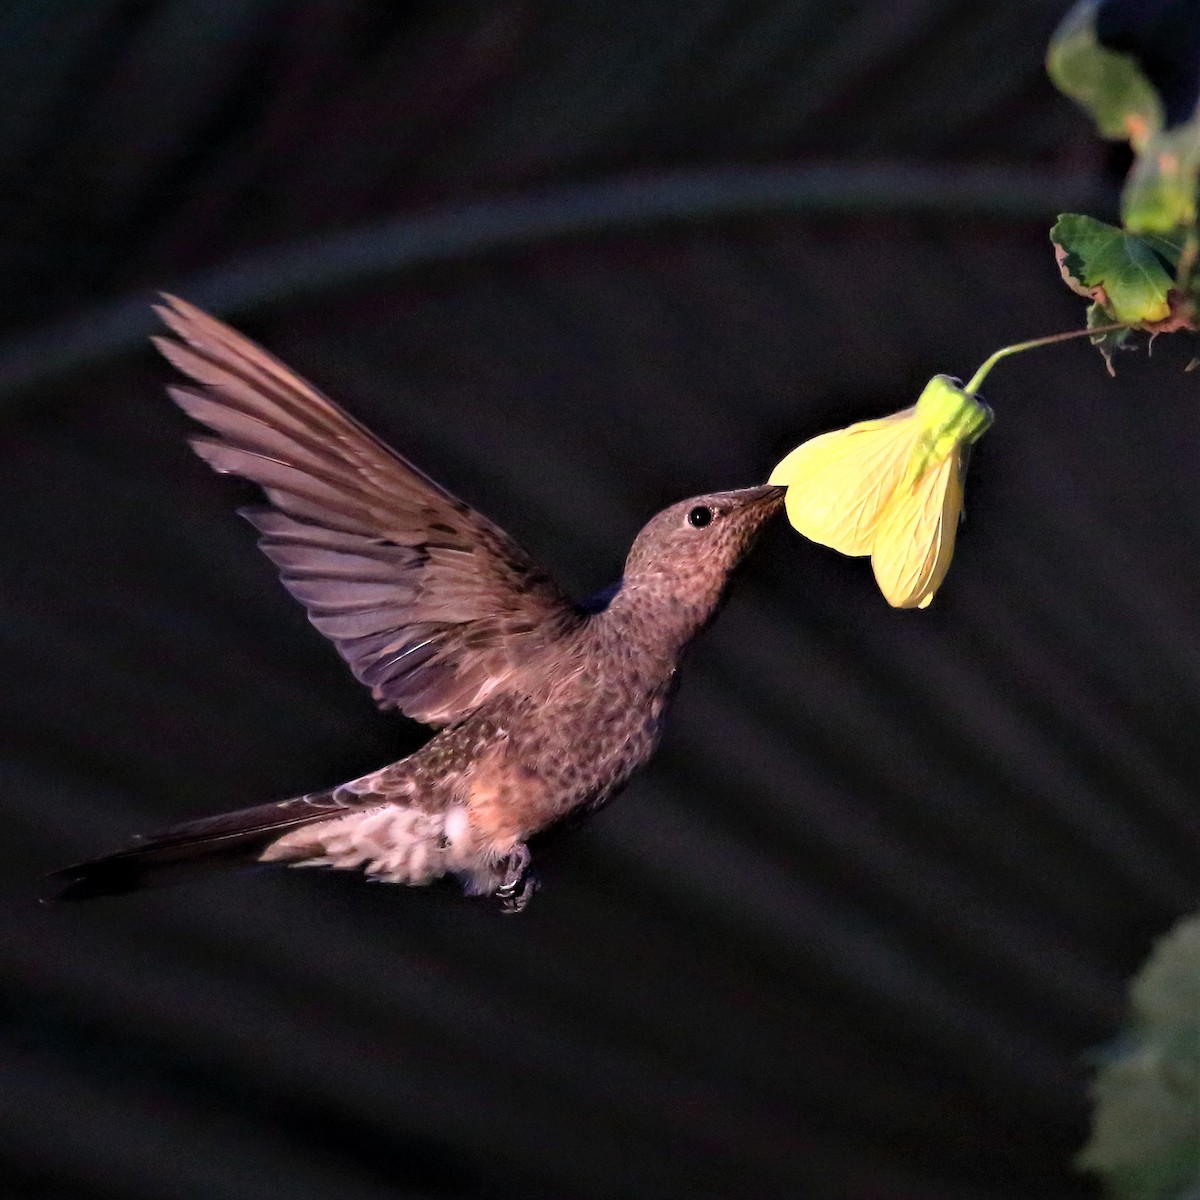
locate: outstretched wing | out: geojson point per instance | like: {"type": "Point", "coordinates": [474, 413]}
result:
{"type": "Point", "coordinates": [433, 607]}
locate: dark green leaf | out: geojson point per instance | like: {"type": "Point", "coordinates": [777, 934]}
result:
{"type": "Point", "coordinates": [1168, 245]}
{"type": "Point", "coordinates": [1119, 271]}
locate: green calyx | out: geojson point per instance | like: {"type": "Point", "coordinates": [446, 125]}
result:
{"type": "Point", "coordinates": [950, 415]}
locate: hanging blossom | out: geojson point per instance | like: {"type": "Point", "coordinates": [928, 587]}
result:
{"type": "Point", "coordinates": [891, 488]}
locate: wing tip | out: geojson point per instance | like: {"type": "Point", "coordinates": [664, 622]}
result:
{"type": "Point", "coordinates": [198, 329]}
{"type": "Point", "coordinates": [111, 876]}
{"type": "Point", "coordinates": [176, 306]}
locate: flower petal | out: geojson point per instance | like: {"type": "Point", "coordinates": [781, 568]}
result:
{"type": "Point", "coordinates": [839, 484]}
{"type": "Point", "coordinates": [914, 540]}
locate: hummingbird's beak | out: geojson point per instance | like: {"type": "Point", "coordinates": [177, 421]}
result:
{"type": "Point", "coordinates": [769, 495]}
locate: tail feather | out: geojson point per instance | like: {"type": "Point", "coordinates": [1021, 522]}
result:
{"type": "Point", "coordinates": [191, 849]}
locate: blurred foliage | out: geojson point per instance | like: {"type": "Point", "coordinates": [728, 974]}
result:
{"type": "Point", "coordinates": [1129, 66]}
{"type": "Point", "coordinates": [1110, 86]}
{"type": "Point", "coordinates": [1146, 1136]}
{"type": "Point", "coordinates": [1160, 191]}
{"type": "Point", "coordinates": [1124, 271]}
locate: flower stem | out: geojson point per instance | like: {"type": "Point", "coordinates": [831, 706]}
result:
{"type": "Point", "coordinates": [988, 363]}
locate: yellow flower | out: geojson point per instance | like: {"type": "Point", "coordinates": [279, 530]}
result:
{"type": "Point", "coordinates": [891, 488]}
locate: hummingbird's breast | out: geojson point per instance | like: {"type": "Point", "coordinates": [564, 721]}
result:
{"type": "Point", "coordinates": [599, 719]}
{"type": "Point", "coordinates": [584, 720]}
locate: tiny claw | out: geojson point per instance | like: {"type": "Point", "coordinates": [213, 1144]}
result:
{"type": "Point", "coordinates": [512, 901]}
{"type": "Point", "coordinates": [516, 884]}
{"type": "Point", "coordinates": [515, 865]}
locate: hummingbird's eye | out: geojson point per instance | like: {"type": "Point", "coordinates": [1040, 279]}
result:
{"type": "Point", "coordinates": [700, 516]}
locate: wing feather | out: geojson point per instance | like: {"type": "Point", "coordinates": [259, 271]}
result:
{"type": "Point", "coordinates": [433, 606]}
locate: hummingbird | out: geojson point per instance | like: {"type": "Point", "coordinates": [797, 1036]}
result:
{"type": "Point", "coordinates": [544, 707]}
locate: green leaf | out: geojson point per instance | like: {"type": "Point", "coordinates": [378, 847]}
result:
{"type": "Point", "coordinates": [1168, 245]}
{"type": "Point", "coordinates": [1160, 191]}
{"type": "Point", "coordinates": [1110, 86]}
{"type": "Point", "coordinates": [1119, 271]}
{"type": "Point", "coordinates": [1146, 1130]}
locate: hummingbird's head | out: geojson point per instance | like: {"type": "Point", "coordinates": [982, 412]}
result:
{"type": "Point", "coordinates": [683, 557]}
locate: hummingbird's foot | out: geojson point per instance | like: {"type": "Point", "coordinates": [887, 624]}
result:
{"type": "Point", "coordinates": [516, 883]}
{"type": "Point", "coordinates": [515, 901]}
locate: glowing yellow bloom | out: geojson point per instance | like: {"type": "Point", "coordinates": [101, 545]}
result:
{"type": "Point", "coordinates": [891, 488]}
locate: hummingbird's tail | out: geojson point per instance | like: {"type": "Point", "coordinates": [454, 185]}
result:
{"type": "Point", "coordinates": [191, 849]}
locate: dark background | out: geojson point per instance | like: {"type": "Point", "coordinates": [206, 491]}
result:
{"type": "Point", "coordinates": [858, 930]}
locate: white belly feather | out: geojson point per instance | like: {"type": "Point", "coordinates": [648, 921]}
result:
{"type": "Point", "coordinates": [392, 843]}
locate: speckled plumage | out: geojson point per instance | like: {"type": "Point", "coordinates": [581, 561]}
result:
{"type": "Point", "coordinates": [546, 707]}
